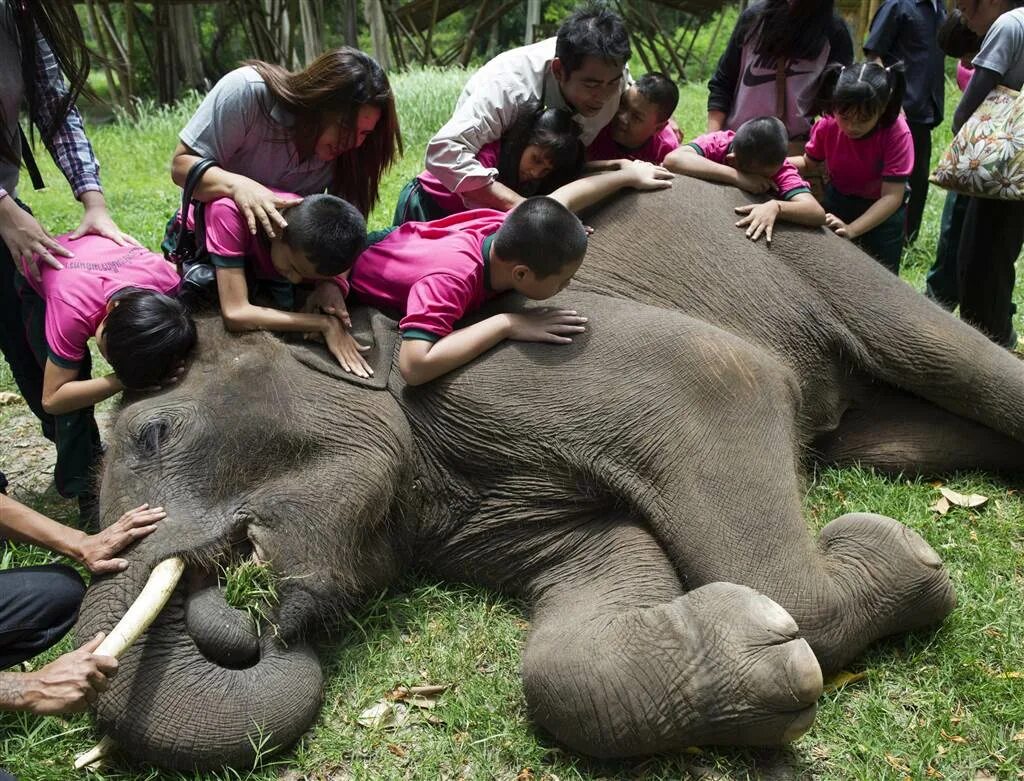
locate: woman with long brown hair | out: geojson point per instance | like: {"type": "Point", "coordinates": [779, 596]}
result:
{"type": "Point", "coordinates": [329, 127]}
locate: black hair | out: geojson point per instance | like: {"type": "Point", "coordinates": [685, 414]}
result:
{"type": "Point", "coordinates": [541, 234]}
{"type": "Point", "coordinates": [660, 90]}
{"type": "Point", "coordinates": [762, 141]}
{"type": "Point", "coordinates": [792, 29]}
{"type": "Point", "coordinates": [552, 129]}
{"type": "Point", "coordinates": [146, 335]}
{"type": "Point", "coordinates": [592, 31]}
{"type": "Point", "coordinates": [955, 38]}
{"type": "Point", "coordinates": [862, 89]}
{"type": "Point", "coordinates": [329, 230]}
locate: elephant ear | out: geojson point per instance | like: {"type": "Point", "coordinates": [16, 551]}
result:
{"type": "Point", "coordinates": [369, 326]}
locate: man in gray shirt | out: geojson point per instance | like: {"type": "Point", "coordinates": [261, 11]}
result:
{"type": "Point", "coordinates": [583, 69]}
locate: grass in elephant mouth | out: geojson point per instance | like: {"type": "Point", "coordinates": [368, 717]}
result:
{"type": "Point", "coordinates": [250, 586]}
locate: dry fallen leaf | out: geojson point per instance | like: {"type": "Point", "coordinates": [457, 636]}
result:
{"type": "Point", "coordinates": [897, 763]}
{"type": "Point", "coordinates": [952, 738]}
{"type": "Point", "coordinates": [418, 696]}
{"type": "Point", "coordinates": [397, 750]}
{"type": "Point", "coordinates": [843, 678]}
{"type": "Point", "coordinates": [941, 507]}
{"type": "Point", "coordinates": [962, 500]}
{"type": "Point", "coordinates": [526, 774]}
{"type": "Point", "coordinates": [1018, 737]}
{"type": "Point", "coordinates": [377, 715]}
{"type": "Point", "coordinates": [10, 398]}
{"type": "Point", "coordinates": [933, 773]}
{"type": "Point", "coordinates": [984, 775]}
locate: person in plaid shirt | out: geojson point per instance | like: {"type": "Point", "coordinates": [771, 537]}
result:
{"type": "Point", "coordinates": [40, 44]}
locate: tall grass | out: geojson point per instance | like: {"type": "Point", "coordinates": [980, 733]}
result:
{"type": "Point", "coordinates": [942, 704]}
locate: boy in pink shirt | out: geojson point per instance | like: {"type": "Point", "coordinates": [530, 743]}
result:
{"type": "Point", "coordinates": [864, 142]}
{"type": "Point", "coordinates": [322, 237]}
{"type": "Point", "coordinates": [435, 273]}
{"type": "Point", "coordinates": [640, 129]}
{"type": "Point", "coordinates": [753, 159]}
{"type": "Point", "coordinates": [124, 297]}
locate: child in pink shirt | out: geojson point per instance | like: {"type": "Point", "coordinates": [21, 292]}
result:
{"type": "Point", "coordinates": [753, 159]}
{"type": "Point", "coordinates": [322, 237]}
{"type": "Point", "coordinates": [865, 144]}
{"type": "Point", "coordinates": [539, 153]}
{"type": "Point", "coordinates": [123, 295]}
{"type": "Point", "coordinates": [641, 129]}
{"type": "Point", "coordinates": [432, 274]}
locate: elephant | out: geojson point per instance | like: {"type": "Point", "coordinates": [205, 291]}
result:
{"type": "Point", "coordinates": [638, 489]}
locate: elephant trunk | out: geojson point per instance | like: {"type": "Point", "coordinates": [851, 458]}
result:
{"type": "Point", "coordinates": [173, 704]}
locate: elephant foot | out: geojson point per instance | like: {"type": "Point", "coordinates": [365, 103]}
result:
{"type": "Point", "coordinates": [888, 581]}
{"type": "Point", "coordinates": [721, 665]}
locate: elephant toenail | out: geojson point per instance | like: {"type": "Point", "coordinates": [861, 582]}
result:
{"type": "Point", "coordinates": [924, 552]}
{"type": "Point", "coordinates": [803, 672]}
{"type": "Point", "coordinates": [800, 724]}
{"type": "Point", "coordinates": [776, 618]}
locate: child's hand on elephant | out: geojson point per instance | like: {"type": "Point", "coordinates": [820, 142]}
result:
{"type": "Point", "coordinates": [69, 684]}
{"type": "Point", "coordinates": [753, 183]}
{"type": "Point", "coordinates": [328, 299]}
{"type": "Point", "coordinates": [98, 551]}
{"type": "Point", "coordinates": [759, 218]}
{"type": "Point", "coordinates": [556, 326]}
{"type": "Point", "coordinates": [347, 350]}
{"type": "Point", "coordinates": [648, 176]}
{"type": "Point", "coordinates": [840, 227]}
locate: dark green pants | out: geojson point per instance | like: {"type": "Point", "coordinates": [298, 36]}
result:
{"type": "Point", "coordinates": [415, 205]}
{"type": "Point", "coordinates": [941, 284]}
{"type": "Point", "coordinates": [75, 434]}
{"type": "Point", "coordinates": [884, 242]}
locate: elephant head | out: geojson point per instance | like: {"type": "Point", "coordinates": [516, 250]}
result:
{"type": "Point", "coordinates": [255, 454]}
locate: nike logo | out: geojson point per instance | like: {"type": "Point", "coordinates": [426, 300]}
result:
{"type": "Point", "coordinates": [751, 79]}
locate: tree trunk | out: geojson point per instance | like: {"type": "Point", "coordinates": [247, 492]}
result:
{"type": "Point", "coordinates": [378, 32]}
{"type": "Point", "coordinates": [311, 17]}
{"type": "Point", "coordinates": [350, 22]}
{"type": "Point", "coordinates": [186, 45]}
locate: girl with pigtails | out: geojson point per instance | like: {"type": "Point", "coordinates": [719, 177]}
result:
{"type": "Point", "coordinates": [864, 143]}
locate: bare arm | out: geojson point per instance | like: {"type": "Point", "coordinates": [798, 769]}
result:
{"type": "Point", "coordinates": [803, 209]}
{"type": "Point", "coordinates": [578, 195]}
{"type": "Point", "coordinates": [492, 196]}
{"type": "Point", "coordinates": [68, 684]}
{"type": "Point", "coordinates": [759, 218]}
{"type": "Point", "coordinates": [687, 161]}
{"type": "Point", "coordinates": [804, 164]}
{"type": "Point", "coordinates": [240, 315]}
{"type": "Point", "coordinates": [716, 121]}
{"type": "Point", "coordinates": [877, 213]}
{"type": "Point", "coordinates": [63, 392]}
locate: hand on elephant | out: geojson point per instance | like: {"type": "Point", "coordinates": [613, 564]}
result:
{"type": "Point", "coordinates": [760, 218]}
{"type": "Point", "coordinates": [840, 227]}
{"type": "Point", "coordinates": [328, 299]}
{"type": "Point", "coordinates": [753, 183]}
{"type": "Point", "coordinates": [648, 176]}
{"type": "Point", "coordinates": [346, 350]}
{"type": "Point", "coordinates": [97, 551]}
{"type": "Point", "coordinates": [546, 325]}
{"type": "Point", "coordinates": [68, 684]}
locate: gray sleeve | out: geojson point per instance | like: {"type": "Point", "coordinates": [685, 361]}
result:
{"type": "Point", "coordinates": [480, 118]}
{"type": "Point", "coordinates": [1003, 45]}
{"type": "Point", "coordinates": [225, 117]}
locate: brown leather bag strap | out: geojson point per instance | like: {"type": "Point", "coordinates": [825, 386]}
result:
{"type": "Point", "coordinates": [780, 89]}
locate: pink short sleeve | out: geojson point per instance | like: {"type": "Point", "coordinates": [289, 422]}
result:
{"type": "Point", "coordinates": [789, 182]}
{"type": "Point", "coordinates": [714, 146]}
{"type": "Point", "coordinates": [435, 303]}
{"type": "Point", "coordinates": [899, 152]}
{"type": "Point", "coordinates": [665, 141]}
{"type": "Point", "coordinates": [67, 332]}
{"type": "Point", "coordinates": [227, 233]}
{"type": "Point", "coordinates": [816, 146]}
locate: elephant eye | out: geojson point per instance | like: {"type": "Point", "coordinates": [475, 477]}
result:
{"type": "Point", "coordinates": [151, 435]}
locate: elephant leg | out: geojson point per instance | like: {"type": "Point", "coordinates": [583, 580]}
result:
{"type": "Point", "coordinates": [730, 510]}
{"type": "Point", "coordinates": [621, 662]}
{"type": "Point", "coordinates": [895, 432]}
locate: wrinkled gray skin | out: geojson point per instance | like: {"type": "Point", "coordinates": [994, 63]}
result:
{"type": "Point", "coordinates": [640, 489]}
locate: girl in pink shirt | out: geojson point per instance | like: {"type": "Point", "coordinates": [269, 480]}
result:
{"type": "Point", "coordinates": [865, 144]}
{"type": "Point", "coordinates": [538, 154]}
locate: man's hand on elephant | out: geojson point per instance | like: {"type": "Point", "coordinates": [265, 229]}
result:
{"type": "Point", "coordinates": [98, 551]}
{"type": "Point", "coordinates": [347, 350]}
{"type": "Point", "coordinates": [759, 218]}
{"type": "Point", "coordinates": [69, 684]}
{"type": "Point", "coordinates": [753, 183]}
{"type": "Point", "coordinates": [328, 299]}
{"type": "Point", "coordinates": [840, 227]}
{"type": "Point", "coordinates": [647, 176]}
{"type": "Point", "coordinates": [27, 240]}
{"type": "Point", "coordinates": [556, 326]}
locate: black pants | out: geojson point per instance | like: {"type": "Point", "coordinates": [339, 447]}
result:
{"type": "Point", "coordinates": [943, 280]}
{"type": "Point", "coordinates": [991, 241]}
{"type": "Point", "coordinates": [922, 135]}
{"type": "Point", "coordinates": [38, 606]}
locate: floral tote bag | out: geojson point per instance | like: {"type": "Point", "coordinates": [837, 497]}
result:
{"type": "Point", "coordinates": [986, 159]}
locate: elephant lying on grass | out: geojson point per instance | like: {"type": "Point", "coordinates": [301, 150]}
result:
{"type": "Point", "coordinates": [640, 489]}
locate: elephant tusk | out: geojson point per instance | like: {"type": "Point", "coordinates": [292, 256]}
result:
{"type": "Point", "coordinates": [93, 758]}
{"type": "Point", "coordinates": [145, 608]}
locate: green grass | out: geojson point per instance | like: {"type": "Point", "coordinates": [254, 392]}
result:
{"type": "Point", "coordinates": [251, 586]}
{"type": "Point", "coordinates": [946, 700]}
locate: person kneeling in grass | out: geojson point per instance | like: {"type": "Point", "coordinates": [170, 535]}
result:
{"type": "Point", "coordinates": [435, 273]}
{"type": "Point", "coordinates": [753, 159]}
{"type": "Point", "coordinates": [123, 295]}
{"type": "Point", "coordinates": [322, 237]}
